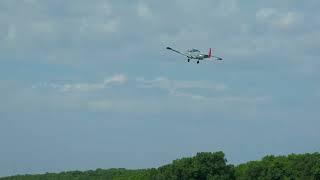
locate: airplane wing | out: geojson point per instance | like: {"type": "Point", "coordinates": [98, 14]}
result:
{"type": "Point", "coordinates": [169, 48]}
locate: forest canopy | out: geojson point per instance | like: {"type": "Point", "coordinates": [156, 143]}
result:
{"type": "Point", "coordinates": [203, 166]}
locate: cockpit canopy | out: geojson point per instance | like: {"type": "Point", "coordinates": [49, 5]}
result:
{"type": "Point", "coordinates": [194, 51]}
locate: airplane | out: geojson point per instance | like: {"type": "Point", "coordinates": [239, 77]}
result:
{"type": "Point", "coordinates": [196, 54]}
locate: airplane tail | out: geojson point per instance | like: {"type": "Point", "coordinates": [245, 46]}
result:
{"type": "Point", "coordinates": [210, 54]}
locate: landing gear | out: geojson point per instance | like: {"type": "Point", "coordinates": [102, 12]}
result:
{"type": "Point", "coordinates": [197, 62]}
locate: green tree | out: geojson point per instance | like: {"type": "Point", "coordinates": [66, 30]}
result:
{"type": "Point", "coordinates": [201, 167]}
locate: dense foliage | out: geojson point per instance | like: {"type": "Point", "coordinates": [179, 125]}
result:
{"type": "Point", "coordinates": [211, 166]}
{"type": "Point", "coordinates": [202, 166]}
{"type": "Point", "coordinates": [306, 166]}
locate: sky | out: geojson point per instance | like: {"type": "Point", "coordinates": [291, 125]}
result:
{"type": "Point", "coordinates": [89, 84]}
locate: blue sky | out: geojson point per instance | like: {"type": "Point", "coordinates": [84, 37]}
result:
{"type": "Point", "coordinates": [89, 84]}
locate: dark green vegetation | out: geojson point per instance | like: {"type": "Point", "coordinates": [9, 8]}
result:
{"type": "Point", "coordinates": [211, 166]}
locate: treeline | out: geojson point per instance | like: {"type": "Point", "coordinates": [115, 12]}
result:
{"type": "Point", "coordinates": [203, 166]}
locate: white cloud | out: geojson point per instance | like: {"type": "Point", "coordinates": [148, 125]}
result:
{"type": "Point", "coordinates": [151, 105]}
{"type": "Point", "coordinates": [178, 94]}
{"type": "Point", "coordinates": [288, 19]}
{"type": "Point", "coordinates": [125, 105]}
{"type": "Point", "coordinates": [119, 78]}
{"type": "Point", "coordinates": [38, 32]}
{"type": "Point", "coordinates": [265, 13]}
{"type": "Point", "coordinates": [143, 10]}
{"type": "Point", "coordinates": [188, 95]}
{"type": "Point", "coordinates": [278, 19]}
{"type": "Point", "coordinates": [106, 8]}
{"type": "Point", "coordinates": [174, 86]}
{"type": "Point", "coordinates": [100, 105]}
{"type": "Point", "coordinates": [228, 7]}
{"type": "Point", "coordinates": [11, 34]}
{"type": "Point", "coordinates": [235, 99]}
{"type": "Point", "coordinates": [43, 29]}
{"type": "Point", "coordinates": [110, 26]}
{"type": "Point", "coordinates": [30, 1]}
{"type": "Point", "coordinates": [182, 89]}
{"type": "Point", "coordinates": [223, 99]}
{"type": "Point", "coordinates": [84, 87]}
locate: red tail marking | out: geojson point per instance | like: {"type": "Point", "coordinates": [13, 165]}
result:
{"type": "Point", "coordinates": [209, 53]}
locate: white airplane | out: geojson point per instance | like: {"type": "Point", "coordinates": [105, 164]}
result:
{"type": "Point", "coordinates": [196, 54]}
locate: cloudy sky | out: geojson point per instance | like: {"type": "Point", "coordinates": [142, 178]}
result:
{"type": "Point", "coordinates": [89, 84]}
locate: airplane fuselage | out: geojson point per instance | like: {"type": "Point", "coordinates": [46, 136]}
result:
{"type": "Point", "coordinates": [196, 55]}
